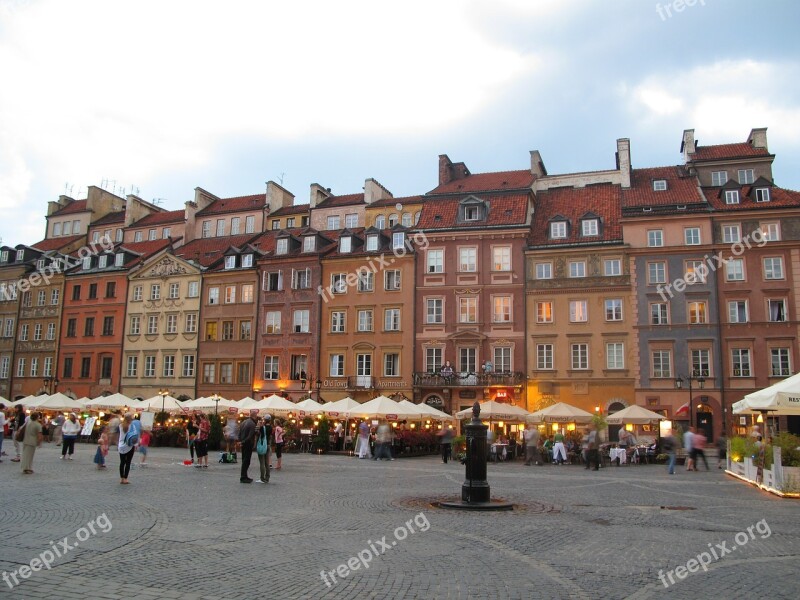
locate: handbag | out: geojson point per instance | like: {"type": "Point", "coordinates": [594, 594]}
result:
{"type": "Point", "coordinates": [261, 445]}
{"type": "Point", "coordinates": [20, 435]}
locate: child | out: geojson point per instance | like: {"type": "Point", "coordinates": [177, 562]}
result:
{"type": "Point", "coordinates": [144, 443]}
{"type": "Point", "coordinates": [102, 449]}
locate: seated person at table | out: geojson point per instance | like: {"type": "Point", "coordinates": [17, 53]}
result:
{"type": "Point", "coordinates": [547, 449]}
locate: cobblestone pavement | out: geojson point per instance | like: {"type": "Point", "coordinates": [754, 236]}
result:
{"type": "Point", "coordinates": [180, 532]}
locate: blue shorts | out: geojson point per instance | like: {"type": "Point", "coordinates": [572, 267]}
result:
{"type": "Point", "coordinates": [143, 450]}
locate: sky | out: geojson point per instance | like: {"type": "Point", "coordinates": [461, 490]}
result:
{"type": "Point", "coordinates": [159, 97]}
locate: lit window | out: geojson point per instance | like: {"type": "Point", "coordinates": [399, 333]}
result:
{"type": "Point", "coordinates": [578, 311]}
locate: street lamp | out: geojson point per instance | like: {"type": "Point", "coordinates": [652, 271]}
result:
{"type": "Point", "coordinates": [701, 382]}
{"type": "Point", "coordinates": [319, 388]}
{"type": "Point", "coordinates": [215, 397]}
{"type": "Point", "coordinates": [47, 384]}
{"type": "Point", "coordinates": [163, 393]}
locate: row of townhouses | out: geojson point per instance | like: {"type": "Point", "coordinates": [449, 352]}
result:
{"type": "Point", "coordinates": [675, 288]}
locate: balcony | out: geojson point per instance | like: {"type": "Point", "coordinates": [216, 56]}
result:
{"type": "Point", "coordinates": [498, 378]}
{"type": "Point", "coordinates": [360, 382]}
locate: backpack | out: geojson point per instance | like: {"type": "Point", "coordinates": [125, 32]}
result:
{"type": "Point", "coordinates": [227, 457]}
{"type": "Point", "coordinates": [131, 438]}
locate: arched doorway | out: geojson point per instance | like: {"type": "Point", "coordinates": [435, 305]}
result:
{"type": "Point", "coordinates": [613, 430]}
{"type": "Point", "coordinates": [704, 420]}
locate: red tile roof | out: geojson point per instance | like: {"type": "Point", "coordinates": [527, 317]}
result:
{"type": "Point", "coordinates": [56, 243]}
{"type": "Point", "coordinates": [75, 206]}
{"type": "Point", "coordinates": [504, 210]}
{"type": "Point", "coordinates": [114, 217]}
{"type": "Point", "coordinates": [778, 198]}
{"type": "Point", "coordinates": [487, 182]}
{"type": "Point", "coordinates": [391, 202]}
{"type": "Point", "coordinates": [681, 188]}
{"type": "Point", "coordinates": [237, 204]}
{"type": "Point", "coordinates": [146, 249]}
{"type": "Point", "coordinates": [345, 200]}
{"type": "Point", "coordinates": [603, 200]}
{"type": "Point", "coordinates": [160, 218]}
{"type": "Point", "coordinates": [726, 151]}
{"type": "Point", "coordinates": [290, 210]}
{"type": "Point", "coordinates": [207, 250]}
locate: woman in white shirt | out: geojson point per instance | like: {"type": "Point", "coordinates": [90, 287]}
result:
{"type": "Point", "coordinates": [70, 431]}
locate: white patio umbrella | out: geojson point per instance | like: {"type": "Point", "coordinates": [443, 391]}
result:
{"type": "Point", "coordinates": [561, 412]}
{"type": "Point", "coordinates": [496, 411]}
{"type": "Point", "coordinates": [164, 404]}
{"type": "Point", "coordinates": [635, 414]}
{"type": "Point", "coordinates": [434, 413]}
{"type": "Point", "coordinates": [59, 401]}
{"type": "Point", "coordinates": [782, 398]}
{"type": "Point", "coordinates": [246, 401]}
{"type": "Point", "coordinates": [113, 401]}
{"type": "Point", "coordinates": [209, 403]}
{"type": "Point", "coordinates": [31, 401]}
{"type": "Point", "coordinates": [345, 407]}
{"type": "Point", "coordinates": [271, 404]}
{"type": "Point", "coordinates": [386, 408]}
{"type": "Point", "coordinates": [309, 406]}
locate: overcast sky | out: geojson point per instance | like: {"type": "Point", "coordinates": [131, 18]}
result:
{"type": "Point", "coordinates": [167, 96]}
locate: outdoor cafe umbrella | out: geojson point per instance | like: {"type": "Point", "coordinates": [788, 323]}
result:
{"type": "Point", "coordinates": [782, 398]}
{"type": "Point", "coordinates": [164, 404]}
{"type": "Point", "coordinates": [344, 408]}
{"type": "Point", "coordinates": [208, 403]}
{"type": "Point", "coordinates": [496, 411]}
{"type": "Point", "coordinates": [31, 401]}
{"type": "Point", "coordinates": [309, 406]}
{"type": "Point", "coordinates": [112, 401]}
{"type": "Point", "coordinates": [435, 413]}
{"type": "Point", "coordinates": [59, 401]}
{"type": "Point", "coordinates": [386, 408]}
{"type": "Point", "coordinates": [560, 412]}
{"type": "Point", "coordinates": [273, 403]}
{"type": "Point", "coordinates": [635, 414]}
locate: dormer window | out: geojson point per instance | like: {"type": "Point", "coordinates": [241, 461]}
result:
{"type": "Point", "coordinates": [87, 263]}
{"type": "Point", "coordinates": [282, 247]}
{"type": "Point", "coordinates": [398, 240]}
{"type": "Point", "coordinates": [230, 262]}
{"type": "Point", "coordinates": [309, 243]}
{"type": "Point", "coordinates": [731, 196]}
{"type": "Point", "coordinates": [660, 185]}
{"type": "Point", "coordinates": [558, 230]}
{"type": "Point", "coordinates": [247, 260]}
{"type": "Point", "coordinates": [471, 213]}
{"type": "Point", "coordinates": [589, 227]}
{"type": "Point", "coordinates": [372, 243]}
{"type": "Point", "coordinates": [102, 261]}
{"type": "Point", "coordinates": [20, 255]}
{"type": "Point", "coordinates": [40, 264]}
{"type": "Point", "coordinates": [4, 256]}
{"type": "Point", "coordinates": [119, 260]}
{"type": "Point", "coordinates": [345, 244]}
{"type": "Point", "coordinates": [762, 195]}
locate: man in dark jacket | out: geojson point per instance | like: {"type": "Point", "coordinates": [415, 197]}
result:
{"type": "Point", "coordinates": [247, 436]}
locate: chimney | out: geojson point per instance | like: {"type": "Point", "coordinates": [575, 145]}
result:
{"type": "Point", "coordinates": [624, 161]}
{"type": "Point", "coordinates": [758, 138]}
{"type": "Point", "coordinates": [373, 191]}
{"type": "Point", "coordinates": [202, 198]}
{"type": "Point", "coordinates": [688, 144]}
{"type": "Point", "coordinates": [450, 171]}
{"type": "Point", "coordinates": [318, 194]}
{"type": "Point", "coordinates": [278, 197]}
{"type": "Point", "coordinates": [537, 165]}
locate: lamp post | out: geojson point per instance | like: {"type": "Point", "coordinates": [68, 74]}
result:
{"type": "Point", "coordinates": [50, 385]}
{"type": "Point", "coordinates": [215, 397]}
{"type": "Point", "coordinates": [163, 393]}
{"type": "Point", "coordinates": [701, 382]}
{"type": "Point", "coordinates": [319, 388]}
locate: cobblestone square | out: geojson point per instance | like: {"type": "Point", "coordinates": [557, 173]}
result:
{"type": "Point", "coordinates": [339, 527]}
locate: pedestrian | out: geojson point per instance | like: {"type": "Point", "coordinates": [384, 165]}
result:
{"type": "Point", "coordinates": [201, 442]}
{"type": "Point", "coordinates": [247, 437]}
{"type": "Point", "coordinates": [31, 439]}
{"type": "Point", "coordinates": [17, 421]}
{"type": "Point", "coordinates": [699, 446]}
{"type": "Point", "coordinates": [447, 436]}
{"type": "Point", "coordinates": [446, 372]}
{"type": "Point", "coordinates": [102, 448]}
{"type": "Point", "coordinates": [362, 444]}
{"type": "Point", "coordinates": [689, 447]}
{"type": "Point", "coordinates": [558, 449]}
{"type": "Point", "coordinates": [593, 448]}
{"type": "Point", "coordinates": [57, 424]}
{"type": "Point", "coordinates": [126, 446]}
{"type": "Point", "coordinates": [668, 446]}
{"type": "Point", "coordinates": [113, 428]}
{"type": "Point", "coordinates": [531, 437]}
{"type": "Point", "coordinates": [144, 445]}
{"type": "Point", "coordinates": [262, 448]}
{"type": "Point", "coordinates": [278, 432]}
{"type": "Point", "coordinates": [3, 426]}
{"type": "Point", "coordinates": [338, 436]}
{"type": "Point", "coordinates": [191, 434]}
{"type": "Point", "coordinates": [722, 450]}
{"type": "Point", "coordinates": [383, 442]}
{"type": "Point", "coordinates": [231, 434]}
{"type": "Point", "coordinates": [70, 431]}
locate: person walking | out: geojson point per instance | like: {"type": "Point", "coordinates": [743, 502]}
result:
{"type": "Point", "coordinates": [247, 437]}
{"type": "Point", "coordinates": [593, 449]}
{"type": "Point", "coordinates": [699, 446]}
{"type": "Point", "coordinates": [102, 448]}
{"type": "Point", "coordinates": [126, 446]}
{"type": "Point", "coordinates": [363, 441]}
{"type": "Point", "coordinates": [113, 428]}
{"type": "Point", "coordinates": [201, 442]}
{"type": "Point", "coordinates": [17, 421]}
{"type": "Point", "coordinates": [2, 428]}
{"type": "Point", "coordinates": [558, 449]}
{"type": "Point", "coordinates": [668, 446]}
{"type": "Point", "coordinates": [688, 435]}
{"type": "Point", "coordinates": [191, 434]}
{"type": "Point", "coordinates": [532, 437]}
{"type": "Point", "coordinates": [70, 431]}
{"type": "Point", "coordinates": [32, 439]}
{"type": "Point", "coordinates": [447, 435]}
{"type": "Point", "coordinates": [262, 448]}
{"type": "Point", "coordinates": [144, 446]}
{"type": "Point", "coordinates": [57, 424]}
{"type": "Point", "coordinates": [278, 432]}
{"type": "Point", "coordinates": [383, 442]}
{"type": "Point", "coordinates": [722, 450]}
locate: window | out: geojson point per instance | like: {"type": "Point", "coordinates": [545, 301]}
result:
{"type": "Point", "coordinates": [23, 332]}
{"type": "Point", "coordinates": [391, 364]}
{"type": "Point", "coordinates": [615, 355]}
{"type": "Point", "coordinates": [40, 264]}
{"type": "Point", "coordinates": [659, 314]}
{"type": "Point", "coordinates": [20, 367]}
{"type": "Point", "coordinates": [558, 230]}
{"type": "Point", "coordinates": [770, 232]}
{"type": "Point", "coordinates": [155, 291]}
{"type": "Point", "coordinates": [220, 227]}
{"type": "Point", "coordinates": [174, 290]}
{"type": "Point", "coordinates": [337, 365]}
{"type": "Point", "coordinates": [8, 330]}
{"type": "Point", "coordinates": [272, 322]}
{"type": "Point", "coordinates": [467, 310]}
{"type": "Point", "coordinates": [282, 247]}
{"type": "Point", "coordinates": [737, 311]}
{"type": "Point", "coordinates": [188, 365]}
{"type": "Point", "coordinates": [731, 234]}
{"type": "Point", "coordinates": [151, 234]}
{"type": "Point", "coordinates": [435, 261]}
{"type": "Point", "coordinates": [276, 224]}
{"type": "Point", "coordinates": [345, 244]}
{"type": "Point", "coordinates": [580, 356]}
{"type": "Point", "coordinates": [4, 364]}
{"type": "Point", "coordinates": [191, 323]}
{"type": "Point", "coordinates": [365, 320]}
{"type": "Point", "coordinates": [472, 213]}
{"type": "Point", "coordinates": [137, 293]}
{"type": "Point", "coordinates": [338, 283]}
{"type": "Point", "coordinates": [501, 258]}
{"type": "Point", "coordinates": [86, 366]}
{"type": "Point", "coordinates": [51, 331]}
{"type": "Point", "coordinates": [698, 312]}
{"type": "Point", "coordinates": [235, 224]}
{"type": "Point", "coordinates": [691, 236]}
{"type": "Point", "coordinates": [577, 268]}
{"type": "Point", "coordinates": [76, 292]}
{"type": "Point", "coordinates": [398, 240]}
{"type": "Point", "coordinates": [544, 356]}
{"type": "Point", "coordinates": [589, 227]}
{"type": "Point", "coordinates": [48, 366]}
{"type": "Point", "coordinates": [392, 220]}
{"type": "Point", "coordinates": [230, 294]}
{"type": "Point", "coordinates": [338, 321]}
{"type": "Point", "coordinates": [309, 243]}
{"type": "Point", "coordinates": [467, 360]}
{"type": "Point", "coordinates": [434, 308]}
{"type": "Point", "coordinates": [139, 236]}
{"type": "Point", "coordinates": [501, 309]}
{"type": "Point", "coordinates": [655, 238]}
{"type": "Point", "coordinates": [88, 327]}
{"type": "Point", "coordinates": [406, 220]}
{"type": "Point", "coordinates": [247, 260]}
{"type": "Point", "coordinates": [210, 375]}
{"type": "Point", "coordinates": [165, 233]}
{"type": "Point", "coordinates": [740, 361]}
{"type": "Point", "coordinates": [92, 291]}
{"type": "Point", "coordinates": [227, 331]}
{"type": "Point", "coordinates": [194, 289]}
{"type": "Point", "coordinates": [230, 262]}
{"type": "Point", "coordinates": [56, 230]}
{"type": "Point", "coordinates": [118, 235]}
{"type": "Point", "coordinates": [773, 267]}
{"type": "Point", "coordinates": [467, 259]}
{"type": "Point", "coordinates": [300, 321]}
{"type": "Point", "coordinates": [366, 281]}
{"type": "Point", "coordinates": [68, 367]}
{"type": "Point", "coordinates": [762, 195]}
{"type": "Point", "coordinates": [731, 196]}
{"type": "Point", "coordinates": [243, 373]}
{"type": "Point", "coordinates": [108, 325]}
{"type": "Point", "coordinates": [695, 272]}
{"type": "Point", "coordinates": [290, 222]}
{"type": "Point", "coordinates": [206, 229]}
{"type": "Point", "coordinates": [249, 224]}
{"type": "Point", "coordinates": [746, 176]}
{"type": "Point", "coordinates": [37, 332]}
{"type": "Point", "coordinates": [135, 325]}
{"type": "Point", "coordinates": [211, 331]}
{"type": "Point", "coordinates": [351, 221]}
{"type": "Point", "coordinates": [433, 360]}
{"type": "Point", "coordinates": [614, 309]}
{"type": "Point", "coordinates": [172, 323]}
{"type": "Point", "coordinates": [152, 324]}
{"type": "Point", "coordinates": [111, 289]}
{"type": "Point", "coordinates": [780, 362]}
{"type": "Point", "coordinates": [247, 293]}
{"type": "Point", "coordinates": [391, 319]}
{"type": "Point", "coordinates": [168, 368]}
{"type": "Point", "coordinates": [612, 267]}
{"type": "Point", "coordinates": [333, 222]}
{"type": "Point", "coordinates": [662, 363]}
{"type": "Point", "coordinates": [273, 281]}
{"type": "Point", "coordinates": [701, 363]}
{"type": "Point", "coordinates": [544, 312]}
{"type": "Point", "coordinates": [380, 222]}
{"type": "Point", "coordinates": [776, 311]}
{"type": "Point", "coordinates": [656, 273]}
{"type": "Point", "coordinates": [719, 178]}
{"type": "Point", "coordinates": [213, 295]}
{"type": "Point", "coordinates": [72, 325]}
{"type": "Point", "coordinates": [54, 296]}
{"type": "Point", "coordinates": [392, 280]}
{"type": "Point", "coordinates": [659, 185]}
{"type": "Point", "coordinates": [226, 373]}
{"type": "Point", "coordinates": [734, 269]}
{"type": "Point", "coordinates": [76, 227]}
{"type": "Point", "coordinates": [41, 298]}
{"type": "Point", "coordinates": [27, 300]}
{"type": "Point", "coordinates": [578, 311]}
{"type": "Point", "coordinates": [67, 227]}
{"type": "Point", "coordinates": [544, 270]}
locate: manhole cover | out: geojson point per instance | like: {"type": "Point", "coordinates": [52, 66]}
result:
{"type": "Point", "coordinates": [433, 502]}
